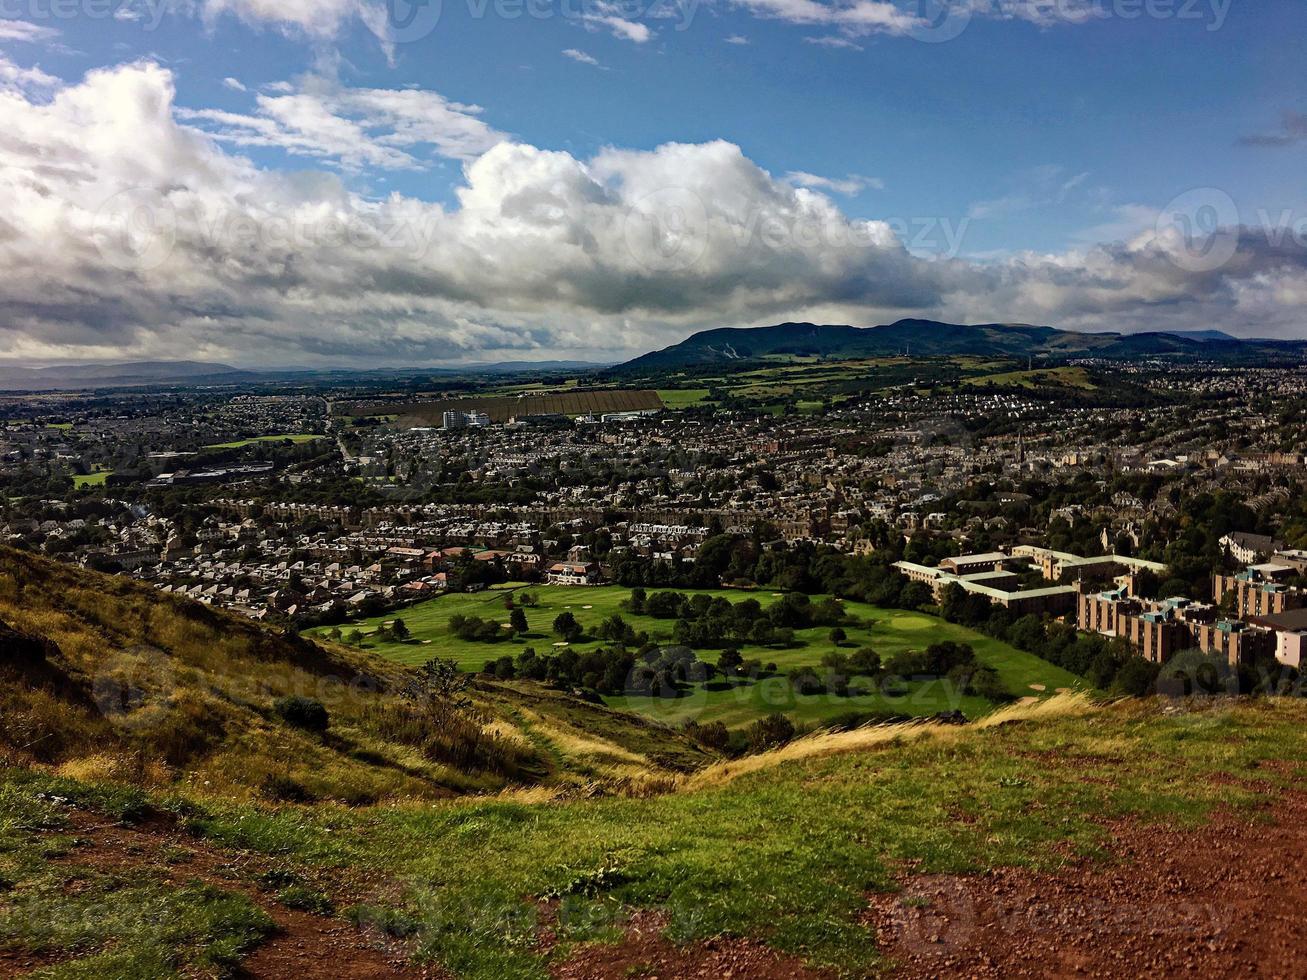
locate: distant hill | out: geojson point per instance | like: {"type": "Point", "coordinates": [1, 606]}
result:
{"type": "Point", "coordinates": [726, 346]}
{"type": "Point", "coordinates": [134, 373]}
{"type": "Point", "coordinates": [120, 375]}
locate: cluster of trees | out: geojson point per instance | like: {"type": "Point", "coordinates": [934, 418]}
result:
{"type": "Point", "coordinates": [708, 622]}
{"type": "Point", "coordinates": [653, 671]}
{"type": "Point", "coordinates": [395, 632]}
{"type": "Point", "coordinates": [956, 662]}
{"type": "Point", "coordinates": [474, 628]}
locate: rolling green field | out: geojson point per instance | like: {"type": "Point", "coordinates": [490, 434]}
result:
{"type": "Point", "coordinates": [888, 631]}
{"type": "Point", "coordinates": [242, 443]}
{"type": "Point", "coordinates": [1062, 377]}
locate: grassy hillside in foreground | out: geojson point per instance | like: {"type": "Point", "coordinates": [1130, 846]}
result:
{"type": "Point", "coordinates": [105, 678]}
{"type": "Point", "coordinates": [788, 848]}
{"type": "Point", "coordinates": [888, 631]}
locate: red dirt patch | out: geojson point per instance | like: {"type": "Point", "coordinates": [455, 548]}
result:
{"type": "Point", "coordinates": [647, 954]}
{"type": "Point", "coordinates": [15, 963]}
{"type": "Point", "coordinates": [1221, 900]}
{"type": "Point", "coordinates": [306, 946]}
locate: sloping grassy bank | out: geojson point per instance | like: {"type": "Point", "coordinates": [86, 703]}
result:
{"type": "Point", "coordinates": [784, 848]}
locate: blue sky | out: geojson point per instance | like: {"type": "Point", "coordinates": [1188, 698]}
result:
{"type": "Point", "coordinates": [1045, 126]}
{"type": "Point", "coordinates": [1145, 108]}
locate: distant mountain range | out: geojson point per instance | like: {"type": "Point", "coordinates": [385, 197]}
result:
{"type": "Point", "coordinates": [726, 346]}
{"type": "Point", "coordinates": [141, 373]}
{"type": "Point", "coordinates": [114, 375]}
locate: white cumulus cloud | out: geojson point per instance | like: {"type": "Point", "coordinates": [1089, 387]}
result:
{"type": "Point", "coordinates": [129, 231]}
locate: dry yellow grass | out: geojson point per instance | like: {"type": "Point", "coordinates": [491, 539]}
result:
{"type": "Point", "coordinates": [823, 744]}
{"type": "Point", "coordinates": [104, 767]}
{"type": "Point", "coordinates": [572, 743]}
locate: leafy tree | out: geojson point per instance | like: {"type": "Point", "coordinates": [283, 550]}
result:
{"type": "Point", "coordinates": [566, 626]}
{"type": "Point", "coordinates": [1136, 677]}
{"type": "Point", "coordinates": [730, 661]}
{"type": "Point", "coordinates": [439, 680]}
{"type": "Point", "coordinates": [517, 619]}
{"type": "Point", "coordinates": [614, 628]}
{"type": "Point", "coordinates": [865, 660]}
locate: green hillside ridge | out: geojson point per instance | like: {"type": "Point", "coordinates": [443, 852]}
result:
{"type": "Point", "coordinates": [104, 677]}
{"type": "Point", "coordinates": [735, 348]}
{"type": "Point", "coordinates": [788, 848]}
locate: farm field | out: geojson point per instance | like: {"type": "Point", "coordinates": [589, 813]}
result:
{"type": "Point", "coordinates": [241, 443]}
{"type": "Point", "coordinates": [682, 397]}
{"type": "Point", "coordinates": [501, 408]}
{"type": "Point", "coordinates": [1062, 377]}
{"type": "Point", "coordinates": [888, 631]}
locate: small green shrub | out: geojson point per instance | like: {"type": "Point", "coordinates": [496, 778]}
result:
{"type": "Point", "coordinates": [305, 900]}
{"type": "Point", "coordinates": [770, 732]}
{"type": "Point", "coordinates": [282, 789]}
{"type": "Point", "coordinates": [301, 712]}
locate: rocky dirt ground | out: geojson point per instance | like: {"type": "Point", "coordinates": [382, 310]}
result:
{"type": "Point", "coordinates": [306, 945]}
{"type": "Point", "coordinates": [1222, 900]}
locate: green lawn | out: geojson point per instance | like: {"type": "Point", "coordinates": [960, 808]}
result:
{"type": "Point", "coordinates": [240, 444]}
{"type": "Point", "coordinates": [888, 631]}
{"type": "Point", "coordinates": [91, 479]}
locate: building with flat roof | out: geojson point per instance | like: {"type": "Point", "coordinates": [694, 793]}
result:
{"type": "Point", "coordinates": [996, 586]}
{"type": "Point", "coordinates": [1056, 564]}
{"type": "Point", "coordinates": [1156, 634]}
{"type": "Point", "coordinates": [1295, 558]}
{"type": "Point", "coordinates": [990, 561]}
{"type": "Point", "coordinates": [1290, 631]}
{"type": "Point", "coordinates": [1159, 629]}
{"type": "Point", "coordinates": [1260, 590]}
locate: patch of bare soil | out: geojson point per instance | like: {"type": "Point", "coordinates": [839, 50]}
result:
{"type": "Point", "coordinates": [306, 945]}
{"type": "Point", "coordinates": [1222, 900]}
{"type": "Point", "coordinates": [14, 963]}
{"type": "Point", "coordinates": [647, 954]}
